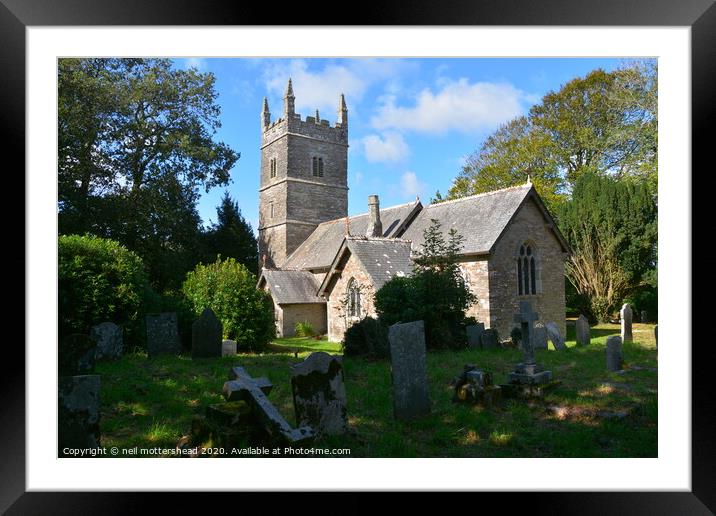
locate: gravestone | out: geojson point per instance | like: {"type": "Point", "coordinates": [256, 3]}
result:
{"type": "Point", "coordinates": [528, 372]}
{"type": "Point", "coordinates": [76, 355]}
{"type": "Point", "coordinates": [614, 353]}
{"type": "Point", "coordinates": [162, 334]}
{"type": "Point", "coordinates": [108, 337]}
{"type": "Point", "coordinates": [228, 348]}
{"type": "Point", "coordinates": [206, 336]}
{"type": "Point", "coordinates": [78, 412]}
{"type": "Point", "coordinates": [644, 316]}
{"type": "Point", "coordinates": [408, 367]}
{"type": "Point", "coordinates": [540, 337]}
{"type": "Point", "coordinates": [582, 330]}
{"type": "Point", "coordinates": [490, 339]}
{"type": "Point", "coordinates": [475, 386]}
{"type": "Point", "coordinates": [474, 335]}
{"type": "Point", "coordinates": [319, 395]}
{"type": "Point", "coordinates": [245, 388]}
{"type": "Point", "coordinates": [656, 335]}
{"type": "Point", "coordinates": [626, 320]}
{"type": "Point", "coordinates": [555, 336]}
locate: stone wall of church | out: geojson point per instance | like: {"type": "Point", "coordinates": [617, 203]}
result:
{"type": "Point", "coordinates": [528, 225]}
{"type": "Point", "coordinates": [338, 320]}
{"type": "Point", "coordinates": [314, 313]}
{"type": "Point", "coordinates": [475, 273]}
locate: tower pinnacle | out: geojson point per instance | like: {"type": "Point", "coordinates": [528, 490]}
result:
{"type": "Point", "coordinates": [289, 101]}
{"type": "Point", "coordinates": [265, 115]}
{"type": "Point", "coordinates": [342, 111]}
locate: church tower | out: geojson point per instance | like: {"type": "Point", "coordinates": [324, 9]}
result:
{"type": "Point", "coordinates": [304, 177]}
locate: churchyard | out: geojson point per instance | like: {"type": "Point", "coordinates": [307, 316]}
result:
{"type": "Point", "coordinates": [150, 402]}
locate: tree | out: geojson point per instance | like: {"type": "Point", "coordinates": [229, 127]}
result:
{"type": "Point", "coordinates": [232, 236]}
{"type": "Point", "coordinates": [604, 123]}
{"type": "Point", "coordinates": [435, 292]}
{"type": "Point", "coordinates": [612, 228]}
{"type": "Point", "coordinates": [135, 145]}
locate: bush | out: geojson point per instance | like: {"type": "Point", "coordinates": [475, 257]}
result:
{"type": "Point", "coordinates": [100, 280]}
{"type": "Point", "coordinates": [368, 337]}
{"type": "Point", "coordinates": [229, 289]}
{"type": "Point", "coordinates": [304, 329]}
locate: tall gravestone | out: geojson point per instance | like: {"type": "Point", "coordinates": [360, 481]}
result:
{"type": "Point", "coordinates": [162, 334]}
{"type": "Point", "coordinates": [78, 412]}
{"type": "Point", "coordinates": [540, 337]}
{"type": "Point", "coordinates": [490, 339]}
{"type": "Point", "coordinates": [614, 353]}
{"type": "Point", "coordinates": [409, 372]}
{"type": "Point", "coordinates": [626, 319]}
{"type": "Point", "coordinates": [108, 337]}
{"type": "Point", "coordinates": [319, 394]}
{"type": "Point", "coordinates": [584, 337]}
{"type": "Point", "coordinates": [555, 336]}
{"type": "Point", "coordinates": [474, 335]}
{"type": "Point", "coordinates": [206, 335]}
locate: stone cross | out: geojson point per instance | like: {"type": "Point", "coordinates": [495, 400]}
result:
{"type": "Point", "coordinates": [526, 318]}
{"type": "Point", "coordinates": [626, 317]}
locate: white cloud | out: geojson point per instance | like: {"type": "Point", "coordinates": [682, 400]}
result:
{"type": "Point", "coordinates": [411, 185]}
{"type": "Point", "coordinates": [458, 105]}
{"type": "Point", "coordinates": [390, 147]}
{"type": "Point", "coordinates": [196, 62]}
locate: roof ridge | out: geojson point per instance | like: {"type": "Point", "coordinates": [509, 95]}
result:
{"type": "Point", "coordinates": [380, 239]}
{"type": "Point", "coordinates": [483, 194]}
{"type": "Point", "coordinates": [340, 219]}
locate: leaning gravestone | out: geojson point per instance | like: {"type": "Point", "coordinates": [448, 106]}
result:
{"type": "Point", "coordinates": [555, 336]}
{"type": "Point", "coordinates": [409, 370]}
{"type": "Point", "coordinates": [490, 339]}
{"type": "Point", "coordinates": [78, 412]}
{"type": "Point", "coordinates": [76, 355]}
{"type": "Point", "coordinates": [474, 335]}
{"type": "Point", "coordinates": [319, 395]}
{"type": "Point", "coordinates": [626, 317]}
{"type": "Point", "coordinates": [614, 353]}
{"type": "Point", "coordinates": [540, 337]}
{"type": "Point", "coordinates": [206, 336]}
{"type": "Point", "coordinates": [162, 334]}
{"type": "Point", "coordinates": [228, 348]}
{"type": "Point", "coordinates": [582, 329]}
{"type": "Point", "coordinates": [108, 337]}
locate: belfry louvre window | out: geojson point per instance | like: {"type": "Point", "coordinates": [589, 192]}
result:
{"type": "Point", "coordinates": [272, 165]}
{"type": "Point", "coordinates": [354, 309]}
{"type": "Point", "coordinates": [526, 271]}
{"type": "Point", "coordinates": [317, 167]}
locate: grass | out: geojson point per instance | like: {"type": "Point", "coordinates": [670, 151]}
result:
{"type": "Point", "coordinates": [593, 413]}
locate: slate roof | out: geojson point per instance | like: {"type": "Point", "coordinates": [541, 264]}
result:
{"type": "Point", "coordinates": [480, 218]}
{"type": "Point", "coordinates": [291, 286]}
{"type": "Point", "coordinates": [382, 258]}
{"type": "Point", "coordinates": [319, 249]}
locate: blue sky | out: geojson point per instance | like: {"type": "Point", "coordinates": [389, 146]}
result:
{"type": "Point", "coordinates": [412, 122]}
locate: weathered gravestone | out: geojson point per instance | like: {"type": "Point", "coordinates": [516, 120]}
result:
{"type": "Point", "coordinates": [408, 367]}
{"type": "Point", "coordinates": [206, 336]}
{"type": "Point", "coordinates": [76, 355]}
{"type": "Point", "coordinates": [78, 412]}
{"type": "Point", "coordinates": [644, 316]}
{"type": "Point", "coordinates": [490, 339]}
{"type": "Point", "coordinates": [582, 330]}
{"type": "Point", "coordinates": [108, 337]}
{"type": "Point", "coordinates": [614, 353]}
{"type": "Point", "coordinates": [626, 320]}
{"type": "Point", "coordinates": [162, 334]}
{"type": "Point", "coordinates": [319, 395]}
{"type": "Point", "coordinates": [253, 391]}
{"type": "Point", "coordinates": [474, 335]}
{"type": "Point", "coordinates": [540, 336]}
{"type": "Point", "coordinates": [228, 348]}
{"type": "Point", "coordinates": [555, 336]}
{"type": "Point", "coordinates": [475, 386]}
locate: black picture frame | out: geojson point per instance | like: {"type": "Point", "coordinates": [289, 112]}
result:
{"type": "Point", "coordinates": [17, 15]}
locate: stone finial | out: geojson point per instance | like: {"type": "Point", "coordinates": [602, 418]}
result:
{"type": "Point", "coordinates": [342, 111]}
{"type": "Point", "coordinates": [318, 117]}
{"type": "Point", "coordinates": [265, 115]}
{"type": "Point", "coordinates": [289, 101]}
{"type": "Point", "coordinates": [375, 226]}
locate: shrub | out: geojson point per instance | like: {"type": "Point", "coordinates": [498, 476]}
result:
{"type": "Point", "coordinates": [368, 337]}
{"type": "Point", "coordinates": [304, 329]}
{"type": "Point", "coordinates": [229, 289]}
{"type": "Point", "coordinates": [99, 280]}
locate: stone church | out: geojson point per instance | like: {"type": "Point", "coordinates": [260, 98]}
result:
{"type": "Point", "coordinates": [321, 266]}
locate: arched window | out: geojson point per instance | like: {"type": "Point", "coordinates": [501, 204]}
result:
{"type": "Point", "coordinates": [526, 270]}
{"type": "Point", "coordinates": [354, 309]}
{"type": "Point", "coordinates": [272, 165]}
